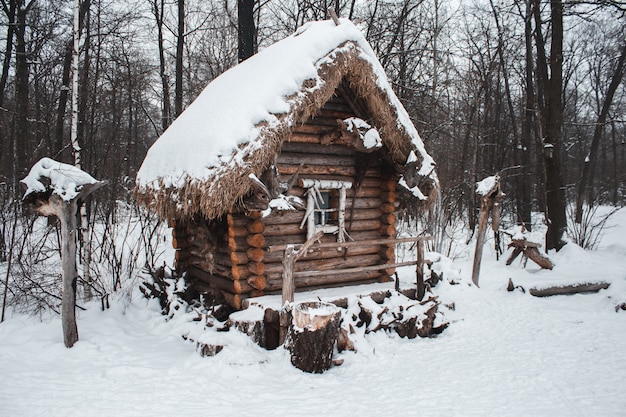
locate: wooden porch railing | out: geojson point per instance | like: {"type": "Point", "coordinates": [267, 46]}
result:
{"type": "Point", "coordinates": [295, 251]}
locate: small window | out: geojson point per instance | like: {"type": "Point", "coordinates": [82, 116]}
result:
{"type": "Point", "coordinates": [322, 210]}
{"type": "Point", "coordinates": [326, 206]}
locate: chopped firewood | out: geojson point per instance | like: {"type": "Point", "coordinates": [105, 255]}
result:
{"type": "Point", "coordinates": [530, 251]}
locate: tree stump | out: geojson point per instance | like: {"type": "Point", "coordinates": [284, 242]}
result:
{"type": "Point", "coordinates": [312, 335]}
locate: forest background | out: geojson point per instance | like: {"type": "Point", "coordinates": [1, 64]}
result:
{"type": "Point", "coordinates": [531, 90]}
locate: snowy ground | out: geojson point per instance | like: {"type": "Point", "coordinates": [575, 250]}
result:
{"type": "Point", "coordinates": [505, 354]}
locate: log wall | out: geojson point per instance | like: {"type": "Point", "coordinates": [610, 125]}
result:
{"type": "Point", "coordinates": [230, 254]}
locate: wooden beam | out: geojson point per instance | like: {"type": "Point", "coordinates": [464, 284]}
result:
{"type": "Point", "coordinates": [351, 270]}
{"type": "Point", "coordinates": [275, 248]}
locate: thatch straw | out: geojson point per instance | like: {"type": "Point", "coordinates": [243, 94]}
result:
{"type": "Point", "coordinates": [212, 198]}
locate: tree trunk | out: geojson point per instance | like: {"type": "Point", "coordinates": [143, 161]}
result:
{"type": "Point", "coordinates": [158, 13]}
{"type": "Point", "coordinates": [312, 336]}
{"type": "Point", "coordinates": [180, 44]}
{"type": "Point", "coordinates": [10, 13]}
{"type": "Point", "coordinates": [21, 138]}
{"type": "Point", "coordinates": [552, 120]}
{"type": "Point", "coordinates": [524, 201]}
{"type": "Point", "coordinates": [65, 89]}
{"type": "Point", "coordinates": [590, 159]}
{"type": "Point", "coordinates": [245, 16]}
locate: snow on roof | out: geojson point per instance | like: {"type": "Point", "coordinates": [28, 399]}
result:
{"type": "Point", "coordinates": [65, 180]}
{"type": "Point", "coordinates": [220, 130]}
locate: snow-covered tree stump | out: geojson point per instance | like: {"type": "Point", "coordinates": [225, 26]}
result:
{"type": "Point", "coordinates": [312, 336]}
{"type": "Point", "coordinates": [65, 185]}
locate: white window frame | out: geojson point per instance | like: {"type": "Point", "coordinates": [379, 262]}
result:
{"type": "Point", "coordinates": [314, 189]}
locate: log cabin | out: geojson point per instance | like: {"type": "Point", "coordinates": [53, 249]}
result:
{"type": "Point", "coordinates": [304, 139]}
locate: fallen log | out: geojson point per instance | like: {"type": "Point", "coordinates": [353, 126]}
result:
{"type": "Point", "coordinates": [579, 288]}
{"type": "Point", "coordinates": [530, 251]}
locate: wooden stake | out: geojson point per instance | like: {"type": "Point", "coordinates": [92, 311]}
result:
{"type": "Point", "coordinates": [289, 260]}
{"type": "Point", "coordinates": [333, 16]}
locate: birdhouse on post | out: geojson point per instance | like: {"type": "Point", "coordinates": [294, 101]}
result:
{"type": "Point", "coordinates": [57, 189]}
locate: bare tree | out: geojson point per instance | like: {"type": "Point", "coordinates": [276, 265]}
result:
{"type": "Point", "coordinates": [590, 159]}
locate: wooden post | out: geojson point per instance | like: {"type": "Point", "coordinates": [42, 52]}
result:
{"type": "Point", "coordinates": [419, 272]}
{"type": "Point", "coordinates": [289, 260]}
{"type": "Point", "coordinates": [53, 204]}
{"type": "Point", "coordinates": [289, 284]}
{"type": "Point", "coordinates": [490, 193]}
{"type": "Point", "coordinates": [480, 240]}
{"type": "Point", "coordinates": [67, 217]}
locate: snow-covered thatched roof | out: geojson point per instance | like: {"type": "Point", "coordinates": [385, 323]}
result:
{"type": "Point", "coordinates": [235, 127]}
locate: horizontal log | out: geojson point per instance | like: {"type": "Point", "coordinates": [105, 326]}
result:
{"type": "Point", "coordinates": [275, 280]}
{"type": "Point", "coordinates": [337, 104]}
{"type": "Point", "coordinates": [334, 114]}
{"type": "Point", "coordinates": [258, 282]}
{"type": "Point", "coordinates": [306, 264]}
{"type": "Point", "coordinates": [388, 196]}
{"type": "Point", "coordinates": [287, 229]}
{"type": "Point", "coordinates": [326, 121]}
{"type": "Point", "coordinates": [356, 243]}
{"type": "Point", "coordinates": [255, 254]}
{"type": "Point", "coordinates": [388, 254]}
{"type": "Point", "coordinates": [330, 264]}
{"type": "Point", "coordinates": [324, 253]}
{"type": "Point", "coordinates": [256, 268]}
{"type": "Point", "coordinates": [388, 230]}
{"type": "Point", "coordinates": [318, 170]}
{"type": "Point", "coordinates": [310, 128]}
{"type": "Point", "coordinates": [292, 229]}
{"type": "Point", "coordinates": [230, 259]}
{"type": "Point", "coordinates": [388, 218]}
{"type": "Point", "coordinates": [179, 243]}
{"type": "Point", "coordinates": [255, 240]}
{"type": "Point", "coordinates": [285, 217]}
{"type": "Point", "coordinates": [256, 226]}
{"type": "Point", "coordinates": [234, 272]}
{"type": "Point", "coordinates": [237, 231]}
{"type": "Point", "coordinates": [315, 159]}
{"type": "Point", "coordinates": [181, 255]}
{"type": "Point", "coordinates": [569, 289]}
{"type": "Point", "coordinates": [234, 300]}
{"type": "Point", "coordinates": [388, 208]}
{"type": "Point", "coordinates": [335, 280]}
{"type": "Point", "coordinates": [179, 233]}
{"type": "Point", "coordinates": [219, 282]}
{"type": "Point", "coordinates": [389, 185]}
{"type": "Point", "coordinates": [360, 269]}
{"type": "Point", "coordinates": [312, 149]}
{"type": "Point", "coordinates": [301, 137]}
{"type": "Point", "coordinates": [366, 203]}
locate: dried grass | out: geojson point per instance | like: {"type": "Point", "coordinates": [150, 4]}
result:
{"type": "Point", "coordinates": [228, 186]}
